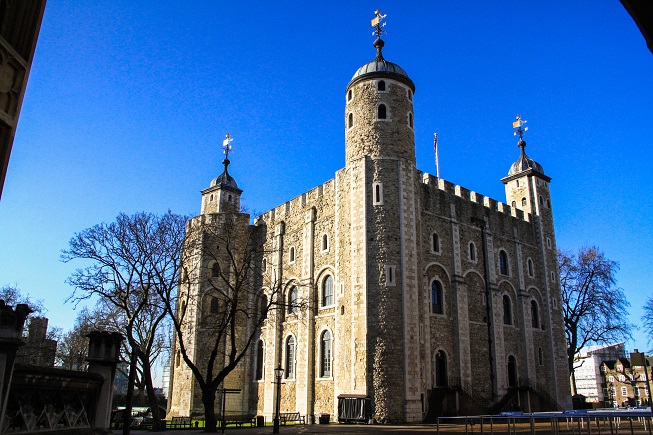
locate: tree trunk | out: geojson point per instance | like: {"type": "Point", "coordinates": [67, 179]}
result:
{"type": "Point", "coordinates": [157, 424]}
{"type": "Point", "coordinates": [127, 416]}
{"type": "Point", "coordinates": [208, 399]}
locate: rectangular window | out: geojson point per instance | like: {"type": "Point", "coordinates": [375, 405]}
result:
{"type": "Point", "coordinates": [610, 378]}
{"type": "Point", "coordinates": [390, 278]}
{"type": "Point", "coordinates": [377, 193]}
{"type": "Point", "coordinates": [622, 378]}
{"type": "Point", "coordinates": [624, 391]}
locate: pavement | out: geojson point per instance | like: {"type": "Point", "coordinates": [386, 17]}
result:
{"type": "Point", "coordinates": [540, 428]}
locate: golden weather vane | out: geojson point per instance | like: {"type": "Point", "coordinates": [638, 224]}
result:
{"type": "Point", "coordinates": [378, 24]}
{"type": "Point", "coordinates": [517, 124]}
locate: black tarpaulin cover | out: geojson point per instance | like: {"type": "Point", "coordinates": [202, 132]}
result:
{"type": "Point", "coordinates": [354, 407]}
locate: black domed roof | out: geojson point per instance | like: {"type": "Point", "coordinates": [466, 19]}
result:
{"type": "Point", "coordinates": [524, 162]}
{"type": "Point", "coordinates": [380, 67]}
{"type": "Point", "coordinates": [224, 179]}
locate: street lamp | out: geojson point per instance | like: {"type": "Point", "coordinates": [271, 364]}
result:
{"type": "Point", "coordinates": [278, 373]}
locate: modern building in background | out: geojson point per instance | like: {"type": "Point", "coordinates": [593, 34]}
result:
{"type": "Point", "coordinates": [424, 296]}
{"type": "Point", "coordinates": [589, 377]}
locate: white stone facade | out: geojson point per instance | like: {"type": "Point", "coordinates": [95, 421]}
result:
{"type": "Point", "coordinates": [432, 290]}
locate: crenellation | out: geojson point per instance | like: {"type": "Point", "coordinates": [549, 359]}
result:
{"type": "Point", "coordinates": [462, 192]}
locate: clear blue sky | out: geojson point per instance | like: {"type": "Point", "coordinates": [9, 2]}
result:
{"type": "Point", "coordinates": [128, 102]}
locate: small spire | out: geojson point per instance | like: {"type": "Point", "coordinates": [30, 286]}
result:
{"type": "Point", "coordinates": [517, 124]}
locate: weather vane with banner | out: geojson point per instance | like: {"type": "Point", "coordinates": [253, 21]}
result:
{"type": "Point", "coordinates": [517, 124]}
{"type": "Point", "coordinates": [378, 24]}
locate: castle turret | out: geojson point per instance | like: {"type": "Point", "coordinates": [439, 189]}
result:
{"type": "Point", "coordinates": [381, 185]}
{"type": "Point", "coordinates": [527, 189]}
{"type": "Point", "coordinates": [223, 195]}
{"type": "Point", "coordinates": [379, 112]}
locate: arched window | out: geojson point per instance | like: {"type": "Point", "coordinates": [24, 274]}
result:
{"type": "Point", "coordinates": [514, 204]}
{"type": "Point", "coordinates": [325, 242]}
{"type": "Point", "coordinates": [472, 251]}
{"type": "Point", "coordinates": [290, 357]}
{"type": "Point", "coordinates": [380, 85]}
{"type": "Point", "coordinates": [503, 263]}
{"type": "Point", "coordinates": [410, 120]}
{"type": "Point", "coordinates": [215, 270]}
{"type": "Point", "coordinates": [540, 356]}
{"type": "Point", "coordinates": [535, 316]}
{"type": "Point", "coordinates": [548, 203]}
{"type": "Point", "coordinates": [410, 95]}
{"type": "Point", "coordinates": [350, 120]}
{"type": "Point", "coordinates": [437, 306]}
{"type": "Point", "coordinates": [507, 310]}
{"type": "Point", "coordinates": [264, 266]}
{"type": "Point", "coordinates": [382, 112]}
{"type": "Point", "coordinates": [541, 200]}
{"type": "Point", "coordinates": [517, 183]}
{"type": "Point", "coordinates": [529, 264]}
{"type": "Point", "coordinates": [512, 371]}
{"type": "Point", "coordinates": [523, 202]}
{"type": "Point", "coordinates": [441, 378]}
{"type": "Point", "coordinates": [350, 94]}
{"type": "Point", "coordinates": [292, 300]}
{"type": "Point", "coordinates": [260, 354]}
{"type": "Point", "coordinates": [214, 306]}
{"type": "Point", "coordinates": [325, 350]}
{"type": "Point", "coordinates": [291, 255]}
{"type": "Point", "coordinates": [327, 291]}
{"type": "Point", "coordinates": [178, 360]}
{"type": "Point", "coordinates": [435, 242]}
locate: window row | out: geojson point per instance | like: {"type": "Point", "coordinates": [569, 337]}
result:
{"type": "Point", "coordinates": [382, 114]}
{"type": "Point", "coordinates": [290, 357]}
{"type": "Point", "coordinates": [381, 87]}
{"type": "Point", "coordinates": [508, 315]}
{"type": "Point", "coordinates": [504, 265]}
{"type": "Point", "coordinates": [327, 298]}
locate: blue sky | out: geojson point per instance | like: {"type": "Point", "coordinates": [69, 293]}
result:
{"type": "Point", "coordinates": [128, 102]}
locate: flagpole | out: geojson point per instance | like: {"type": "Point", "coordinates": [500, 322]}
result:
{"type": "Point", "coordinates": [435, 149]}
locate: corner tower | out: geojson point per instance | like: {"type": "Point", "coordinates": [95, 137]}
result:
{"type": "Point", "coordinates": [527, 189]}
{"type": "Point", "coordinates": [378, 189]}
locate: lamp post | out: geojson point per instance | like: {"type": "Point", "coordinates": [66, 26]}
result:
{"type": "Point", "coordinates": [278, 373]}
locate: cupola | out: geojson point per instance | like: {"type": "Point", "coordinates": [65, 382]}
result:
{"type": "Point", "coordinates": [223, 194]}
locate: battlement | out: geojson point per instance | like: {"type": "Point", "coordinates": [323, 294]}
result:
{"type": "Point", "coordinates": [301, 202]}
{"type": "Point", "coordinates": [469, 195]}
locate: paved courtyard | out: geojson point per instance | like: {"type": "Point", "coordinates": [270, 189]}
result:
{"type": "Point", "coordinates": [524, 428]}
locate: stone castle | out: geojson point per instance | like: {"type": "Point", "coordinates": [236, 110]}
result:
{"type": "Point", "coordinates": [426, 297]}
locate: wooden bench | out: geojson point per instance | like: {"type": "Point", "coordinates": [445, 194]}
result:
{"type": "Point", "coordinates": [179, 423]}
{"type": "Point", "coordinates": [285, 417]}
{"type": "Point", "coordinates": [240, 419]}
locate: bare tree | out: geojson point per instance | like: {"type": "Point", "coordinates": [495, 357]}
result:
{"type": "Point", "coordinates": [222, 278]}
{"type": "Point", "coordinates": [72, 348]}
{"type": "Point", "coordinates": [11, 294]}
{"type": "Point", "coordinates": [647, 319]}
{"type": "Point", "coordinates": [594, 308]}
{"type": "Point", "coordinates": [133, 261]}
